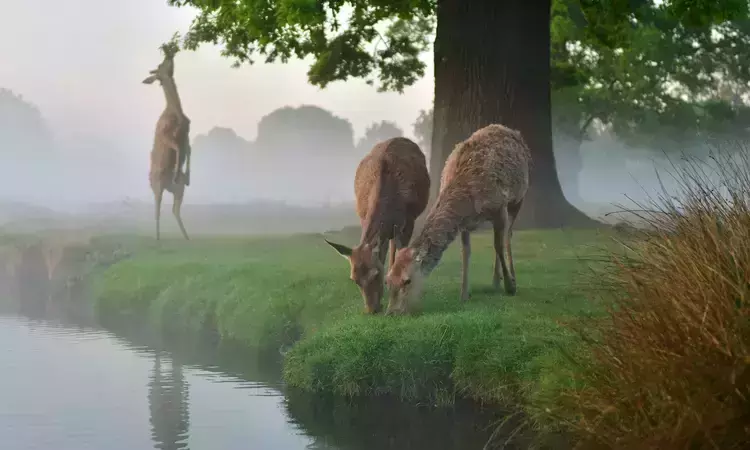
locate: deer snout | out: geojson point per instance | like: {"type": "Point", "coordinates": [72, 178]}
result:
{"type": "Point", "coordinates": [372, 294]}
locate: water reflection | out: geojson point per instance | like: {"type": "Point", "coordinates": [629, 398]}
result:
{"type": "Point", "coordinates": [384, 423]}
{"type": "Point", "coordinates": [168, 405]}
{"type": "Point", "coordinates": [128, 386]}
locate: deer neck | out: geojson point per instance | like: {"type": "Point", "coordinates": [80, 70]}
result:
{"type": "Point", "coordinates": [382, 213]}
{"type": "Point", "coordinates": [171, 95]}
{"type": "Point", "coordinates": [440, 229]}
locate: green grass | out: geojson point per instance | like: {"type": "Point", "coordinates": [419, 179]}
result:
{"type": "Point", "coordinates": [272, 292]}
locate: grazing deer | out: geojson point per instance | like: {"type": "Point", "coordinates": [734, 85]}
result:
{"type": "Point", "coordinates": [485, 178]}
{"type": "Point", "coordinates": [391, 188]}
{"type": "Point", "coordinates": [171, 144]}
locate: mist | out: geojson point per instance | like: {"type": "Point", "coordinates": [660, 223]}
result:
{"type": "Point", "coordinates": [77, 126]}
{"type": "Point", "coordinates": [301, 161]}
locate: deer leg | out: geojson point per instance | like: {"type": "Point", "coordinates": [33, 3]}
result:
{"type": "Point", "coordinates": [501, 235]}
{"type": "Point", "coordinates": [496, 273]}
{"type": "Point", "coordinates": [176, 207]}
{"type": "Point", "coordinates": [392, 252]}
{"type": "Point", "coordinates": [158, 194]}
{"type": "Point", "coordinates": [188, 151]}
{"type": "Point", "coordinates": [513, 210]}
{"type": "Point", "coordinates": [176, 171]}
{"type": "Point", "coordinates": [465, 255]}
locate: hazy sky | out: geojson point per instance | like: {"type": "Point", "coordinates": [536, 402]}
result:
{"type": "Point", "coordinates": [82, 62]}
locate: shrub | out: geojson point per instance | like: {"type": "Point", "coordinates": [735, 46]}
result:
{"type": "Point", "coordinates": [669, 366]}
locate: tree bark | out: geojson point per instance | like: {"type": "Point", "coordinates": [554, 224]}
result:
{"type": "Point", "coordinates": [492, 65]}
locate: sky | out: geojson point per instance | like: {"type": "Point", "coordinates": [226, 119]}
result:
{"type": "Point", "coordinates": [82, 61]}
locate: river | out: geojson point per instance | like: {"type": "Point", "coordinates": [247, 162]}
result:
{"type": "Point", "coordinates": [67, 386]}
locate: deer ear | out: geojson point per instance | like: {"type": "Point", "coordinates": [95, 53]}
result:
{"type": "Point", "coordinates": [150, 79]}
{"type": "Point", "coordinates": [342, 250]}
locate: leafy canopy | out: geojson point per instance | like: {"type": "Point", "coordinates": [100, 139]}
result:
{"type": "Point", "coordinates": [667, 77]}
{"type": "Point", "coordinates": [618, 61]}
{"type": "Point", "coordinates": [383, 39]}
{"type": "Point", "coordinates": [170, 48]}
{"type": "Point", "coordinates": [374, 40]}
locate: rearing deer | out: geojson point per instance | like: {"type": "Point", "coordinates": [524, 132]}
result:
{"type": "Point", "coordinates": [171, 143]}
{"type": "Point", "coordinates": [391, 187]}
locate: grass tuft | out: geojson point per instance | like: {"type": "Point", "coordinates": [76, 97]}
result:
{"type": "Point", "coordinates": [669, 366]}
{"type": "Point", "coordinates": [292, 294]}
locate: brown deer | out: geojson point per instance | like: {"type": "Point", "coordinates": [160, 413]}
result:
{"type": "Point", "coordinates": [171, 143]}
{"type": "Point", "coordinates": [485, 178]}
{"type": "Point", "coordinates": [391, 188]}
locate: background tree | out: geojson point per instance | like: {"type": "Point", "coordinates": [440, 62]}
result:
{"type": "Point", "coordinates": [221, 139]}
{"type": "Point", "coordinates": [226, 162]}
{"type": "Point", "coordinates": [666, 89]}
{"type": "Point", "coordinates": [305, 152]}
{"type": "Point", "coordinates": [28, 151]}
{"type": "Point", "coordinates": [423, 129]}
{"type": "Point", "coordinates": [290, 131]}
{"type": "Point", "coordinates": [492, 59]}
{"type": "Point", "coordinates": [378, 132]}
{"type": "Point", "coordinates": [23, 130]}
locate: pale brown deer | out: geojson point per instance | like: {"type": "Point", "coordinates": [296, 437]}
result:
{"type": "Point", "coordinates": [391, 188]}
{"type": "Point", "coordinates": [171, 147]}
{"type": "Point", "coordinates": [485, 178]}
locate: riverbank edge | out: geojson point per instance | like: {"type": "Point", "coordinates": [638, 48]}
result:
{"type": "Point", "coordinates": [433, 359]}
{"type": "Point", "coordinates": [454, 345]}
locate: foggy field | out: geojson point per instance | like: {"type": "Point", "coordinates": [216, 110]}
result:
{"type": "Point", "coordinates": [269, 292]}
{"type": "Point", "coordinates": [200, 219]}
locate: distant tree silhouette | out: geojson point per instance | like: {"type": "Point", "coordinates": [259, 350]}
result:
{"type": "Point", "coordinates": [221, 139]}
{"type": "Point", "coordinates": [22, 127]}
{"type": "Point", "coordinates": [224, 163]}
{"type": "Point", "coordinates": [423, 130]}
{"type": "Point", "coordinates": [28, 152]}
{"type": "Point", "coordinates": [291, 131]}
{"type": "Point", "coordinates": [377, 132]}
{"type": "Point", "coordinates": [307, 152]}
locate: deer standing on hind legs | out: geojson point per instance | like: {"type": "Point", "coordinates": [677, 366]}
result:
{"type": "Point", "coordinates": [171, 143]}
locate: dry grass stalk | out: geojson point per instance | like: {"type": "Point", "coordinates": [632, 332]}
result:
{"type": "Point", "coordinates": [669, 367]}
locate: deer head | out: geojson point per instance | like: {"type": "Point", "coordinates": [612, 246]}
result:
{"type": "Point", "coordinates": [404, 281]}
{"type": "Point", "coordinates": [163, 72]}
{"type": "Point", "coordinates": [366, 271]}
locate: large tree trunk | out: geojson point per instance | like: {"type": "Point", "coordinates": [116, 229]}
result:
{"type": "Point", "coordinates": [492, 65]}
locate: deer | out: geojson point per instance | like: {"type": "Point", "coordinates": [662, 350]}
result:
{"type": "Point", "coordinates": [171, 148]}
{"type": "Point", "coordinates": [391, 189]}
{"type": "Point", "coordinates": [485, 178]}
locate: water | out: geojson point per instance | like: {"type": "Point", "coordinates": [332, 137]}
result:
{"type": "Point", "coordinates": [78, 387]}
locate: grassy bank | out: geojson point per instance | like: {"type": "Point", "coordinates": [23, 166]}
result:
{"type": "Point", "coordinates": [273, 292]}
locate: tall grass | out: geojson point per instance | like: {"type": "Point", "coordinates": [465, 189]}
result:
{"type": "Point", "coordinates": [669, 366]}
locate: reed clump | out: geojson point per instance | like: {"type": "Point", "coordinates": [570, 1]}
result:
{"type": "Point", "coordinates": [669, 365]}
